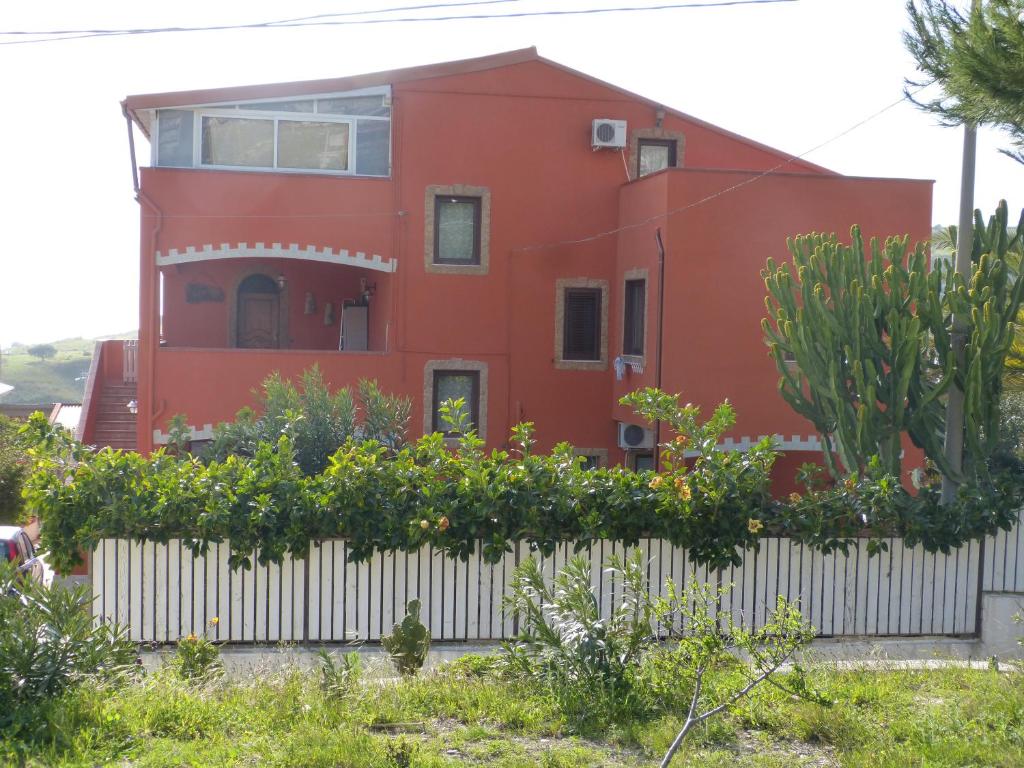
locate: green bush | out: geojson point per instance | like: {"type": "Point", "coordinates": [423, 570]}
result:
{"type": "Point", "coordinates": [1013, 423]}
{"type": "Point", "coordinates": [196, 657]}
{"type": "Point", "coordinates": [48, 644]}
{"type": "Point", "coordinates": [13, 471]}
{"type": "Point", "coordinates": [713, 503]}
{"type": "Point", "coordinates": [339, 675]}
{"type": "Point", "coordinates": [650, 656]}
{"type": "Point", "coordinates": [316, 421]}
{"type": "Point", "coordinates": [588, 662]}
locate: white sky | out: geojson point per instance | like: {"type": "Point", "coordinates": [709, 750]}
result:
{"type": "Point", "coordinates": [791, 75]}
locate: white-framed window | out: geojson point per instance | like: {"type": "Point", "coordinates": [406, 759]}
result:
{"type": "Point", "coordinates": [338, 134]}
{"type": "Point", "coordinates": [233, 140]}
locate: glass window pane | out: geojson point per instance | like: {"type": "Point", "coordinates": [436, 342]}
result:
{"type": "Point", "coordinates": [633, 315]}
{"type": "Point", "coordinates": [238, 141]}
{"type": "Point", "coordinates": [373, 147]}
{"type": "Point", "coordinates": [312, 145]}
{"type": "Point", "coordinates": [451, 386]}
{"type": "Point", "coordinates": [368, 106]}
{"type": "Point", "coordinates": [644, 462]}
{"type": "Point", "coordinates": [456, 231]}
{"type": "Point", "coordinates": [653, 157]}
{"type": "Point", "coordinates": [281, 106]}
{"type": "Point", "coordinates": [174, 143]}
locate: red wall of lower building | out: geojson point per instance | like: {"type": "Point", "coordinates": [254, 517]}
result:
{"type": "Point", "coordinates": [714, 348]}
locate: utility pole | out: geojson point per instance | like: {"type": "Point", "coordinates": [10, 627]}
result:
{"type": "Point", "coordinates": [954, 446]}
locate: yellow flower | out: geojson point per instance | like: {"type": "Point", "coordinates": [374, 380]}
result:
{"type": "Point", "coordinates": [684, 492]}
{"type": "Point", "coordinates": [191, 638]}
{"type": "Point", "coordinates": [754, 525]}
{"type": "Point", "coordinates": [795, 497]}
{"type": "Point", "coordinates": [681, 441]}
{"type": "Point", "coordinates": [424, 524]}
{"type": "Point", "coordinates": [656, 481]}
{"type": "Point", "coordinates": [680, 482]}
{"type": "Point", "coordinates": [442, 524]}
{"type": "Point", "coordinates": [850, 483]}
{"type": "Point", "coordinates": [215, 620]}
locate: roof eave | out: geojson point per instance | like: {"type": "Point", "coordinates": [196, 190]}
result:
{"type": "Point", "coordinates": [330, 85]}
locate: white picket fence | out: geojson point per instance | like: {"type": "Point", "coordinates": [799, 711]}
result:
{"type": "Point", "coordinates": [161, 592]}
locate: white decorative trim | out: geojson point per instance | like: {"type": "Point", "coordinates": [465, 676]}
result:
{"type": "Point", "coordinates": [276, 251]}
{"type": "Point", "coordinates": [745, 443]}
{"type": "Point", "coordinates": [205, 433]}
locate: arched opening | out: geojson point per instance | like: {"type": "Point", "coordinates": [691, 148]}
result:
{"type": "Point", "coordinates": [259, 313]}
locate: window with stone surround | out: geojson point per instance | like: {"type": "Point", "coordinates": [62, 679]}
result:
{"type": "Point", "coordinates": [457, 226]}
{"type": "Point", "coordinates": [581, 324]}
{"type": "Point", "coordinates": [591, 458]}
{"type": "Point", "coordinates": [655, 155]}
{"type": "Point", "coordinates": [652, 149]}
{"type": "Point", "coordinates": [449, 380]}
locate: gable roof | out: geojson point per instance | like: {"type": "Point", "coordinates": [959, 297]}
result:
{"type": "Point", "coordinates": [134, 105]}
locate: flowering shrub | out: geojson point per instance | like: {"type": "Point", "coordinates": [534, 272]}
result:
{"type": "Point", "coordinates": [197, 657]}
{"type": "Point", "coordinates": [713, 503]}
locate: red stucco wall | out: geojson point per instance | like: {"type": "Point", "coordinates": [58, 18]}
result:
{"type": "Point", "coordinates": [523, 132]}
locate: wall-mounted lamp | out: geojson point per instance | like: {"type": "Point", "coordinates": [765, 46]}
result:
{"type": "Point", "coordinates": [133, 407]}
{"type": "Point", "coordinates": [310, 304]}
{"type": "Point", "coordinates": [281, 281]}
{"type": "Point", "coordinates": [366, 289]}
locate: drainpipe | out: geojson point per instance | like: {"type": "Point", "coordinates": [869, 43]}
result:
{"type": "Point", "coordinates": [659, 346]}
{"type": "Point", "coordinates": [131, 148]}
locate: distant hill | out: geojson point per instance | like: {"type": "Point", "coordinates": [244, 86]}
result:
{"type": "Point", "coordinates": [59, 379]}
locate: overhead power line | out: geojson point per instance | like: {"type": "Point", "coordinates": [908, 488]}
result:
{"type": "Point", "coordinates": [330, 20]}
{"type": "Point", "coordinates": [256, 24]}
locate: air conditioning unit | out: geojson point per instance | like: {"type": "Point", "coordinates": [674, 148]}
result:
{"type": "Point", "coordinates": [608, 133]}
{"type": "Point", "coordinates": [633, 437]}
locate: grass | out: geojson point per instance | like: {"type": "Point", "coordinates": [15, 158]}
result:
{"type": "Point", "coordinates": [947, 717]}
{"type": "Point", "coordinates": [59, 379]}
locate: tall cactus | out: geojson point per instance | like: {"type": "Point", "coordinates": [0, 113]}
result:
{"type": "Point", "coordinates": [862, 342]}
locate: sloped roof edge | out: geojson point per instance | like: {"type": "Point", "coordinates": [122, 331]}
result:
{"type": "Point", "coordinates": [132, 104]}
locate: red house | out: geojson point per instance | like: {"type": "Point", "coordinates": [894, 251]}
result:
{"type": "Point", "coordinates": [501, 228]}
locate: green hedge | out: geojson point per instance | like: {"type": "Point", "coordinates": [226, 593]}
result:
{"type": "Point", "coordinates": [713, 503]}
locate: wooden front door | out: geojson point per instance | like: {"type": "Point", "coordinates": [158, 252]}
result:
{"type": "Point", "coordinates": [258, 320]}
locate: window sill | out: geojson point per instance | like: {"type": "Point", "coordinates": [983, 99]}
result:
{"type": "Point", "coordinates": [271, 171]}
{"type": "Point", "coordinates": [455, 269]}
{"type": "Point", "coordinates": [581, 365]}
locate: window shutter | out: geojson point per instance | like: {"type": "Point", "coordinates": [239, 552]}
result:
{"type": "Point", "coordinates": [582, 339]}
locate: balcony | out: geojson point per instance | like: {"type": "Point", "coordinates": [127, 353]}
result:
{"type": "Point", "coordinates": [275, 303]}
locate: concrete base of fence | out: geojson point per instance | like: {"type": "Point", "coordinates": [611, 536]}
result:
{"type": "Point", "coordinates": [1001, 633]}
{"type": "Point", "coordinates": [999, 639]}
